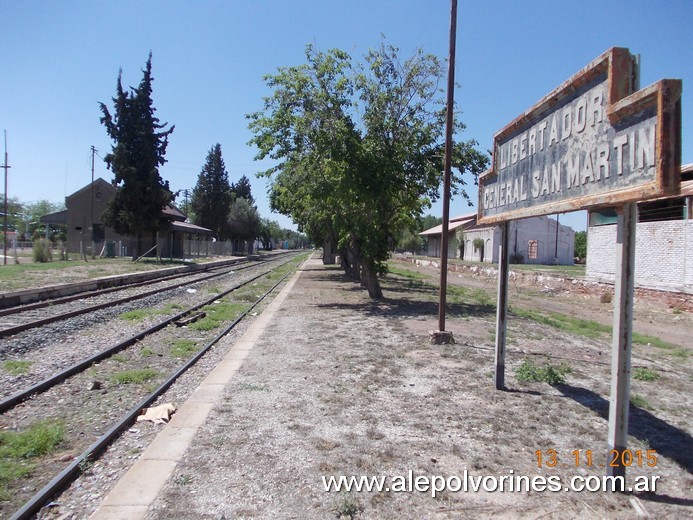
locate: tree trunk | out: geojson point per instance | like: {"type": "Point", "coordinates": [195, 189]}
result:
{"type": "Point", "coordinates": [370, 280]}
{"type": "Point", "coordinates": [328, 251]}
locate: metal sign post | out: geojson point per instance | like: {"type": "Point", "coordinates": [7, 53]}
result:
{"type": "Point", "coordinates": [502, 307]}
{"type": "Point", "coordinates": [621, 348]}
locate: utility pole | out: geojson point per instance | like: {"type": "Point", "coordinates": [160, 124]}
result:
{"type": "Point", "coordinates": [93, 245]}
{"type": "Point", "coordinates": [4, 235]}
{"type": "Point", "coordinates": [441, 336]}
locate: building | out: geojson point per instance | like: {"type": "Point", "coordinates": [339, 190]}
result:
{"type": "Point", "coordinates": [663, 241]}
{"type": "Point", "coordinates": [82, 219]}
{"type": "Point", "coordinates": [535, 240]}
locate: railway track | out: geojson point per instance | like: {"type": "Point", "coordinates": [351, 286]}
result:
{"type": "Point", "coordinates": [21, 318]}
{"type": "Point", "coordinates": [83, 408]}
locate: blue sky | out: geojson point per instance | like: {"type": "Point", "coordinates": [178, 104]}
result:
{"type": "Point", "coordinates": [59, 59]}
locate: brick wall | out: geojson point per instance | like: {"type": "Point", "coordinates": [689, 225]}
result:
{"type": "Point", "coordinates": [663, 254]}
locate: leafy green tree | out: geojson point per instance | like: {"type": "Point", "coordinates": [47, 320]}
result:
{"type": "Point", "coordinates": [241, 189]}
{"type": "Point", "coordinates": [16, 219]}
{"type": "Point", "coordinates": [244, 220]}
{"type": "Point", "coordinates": [581, 244]}
{"type": "Point", "coordinates": [359, 150]}
{"type": "Point", "coordinates": [139, 148]}
{"type": "Point", "coordinates": [211, 197]}
{"type": "Point", "coordinates": [410, 242]}
{"type": "Point", "coordinates": [270, 233]}
{"type": "Point", "coordinates": [429, 221]}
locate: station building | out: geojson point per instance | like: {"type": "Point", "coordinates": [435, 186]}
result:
{"type": "Point", "coordinates": [663, 241]}
{"type": "Point", "coordinates": [83, 220]}
{"type": "Point", "coordinates": [535, 240]}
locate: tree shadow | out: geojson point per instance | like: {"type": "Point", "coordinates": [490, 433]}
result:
{"type": "Point", "coordinates": [668, 440]}
{"type": "Point", "coordinates": [396, 301]}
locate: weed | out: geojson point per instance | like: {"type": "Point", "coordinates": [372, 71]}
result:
{"type": "Point", "coordinates": [348, 508]}
{"type": "Point", "coordinates": [640, 402]}
{"type": "Point", "coordinates": [16, 367]}
{"type": "Point", "coordinates": [184, 480]}
{"type": "Point", "coordinates": [120, 358]}
{"type": "Point", "coordinates": [146, 352]}
{"type": "Point", "coordinates": [645, 374]}
{"type": "Point", "coordinates": [550, 374]}
{"type": "Point", "coordinates": [254, 387]}
{"type": "Point", "coordinates": [134, 376]}
{"type": "Point", "coordinates": [183, 348]}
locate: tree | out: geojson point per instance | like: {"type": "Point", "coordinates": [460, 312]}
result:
{"type": "Point", "coordinates": [359, 150]}
{"type": "Point", "coordinates": [271, 233]}
{"type": "Point", "coordinates": [212, 195]}
{"type": "Point", "coordinates": [138, 151]}
{"type": "Point", "coordinates": [244, 220]}
{"type": "Point", "coordinates": [581, 244]}
{"type": "Point", "coordinates": [241, 189]}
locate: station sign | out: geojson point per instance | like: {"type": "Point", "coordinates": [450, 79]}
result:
{"type": "Point", "coordinates": [594, 141]}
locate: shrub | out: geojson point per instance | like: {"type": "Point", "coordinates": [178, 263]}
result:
{"type": "Point", "coordinates": [42, 251]}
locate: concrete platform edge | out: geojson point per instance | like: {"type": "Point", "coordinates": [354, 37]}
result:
{"type": "Point", "coordinates": [142, 483]}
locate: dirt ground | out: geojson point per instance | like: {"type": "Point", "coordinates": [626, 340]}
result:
{"type": "Point", "coordinates": [343, 385]}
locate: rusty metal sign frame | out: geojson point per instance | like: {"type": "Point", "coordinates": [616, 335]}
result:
{"type": "Point", "coordinates": [622, 101]}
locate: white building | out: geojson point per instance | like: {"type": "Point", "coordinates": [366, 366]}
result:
{"type": "Point", "coordinates": [663, 243]}
{"type": "Point", "coordinates": [535, 240]}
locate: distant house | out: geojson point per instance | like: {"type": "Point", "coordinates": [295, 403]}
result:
{"type": "Point", "coordinates": [84, 224]}
{"type": "Point", "coordinates": [535, 240]}
{"type": "Point", "coordinates": [663, 243]}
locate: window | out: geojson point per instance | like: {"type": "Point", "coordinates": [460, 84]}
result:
{"type": "Point", "coordinates": [533, 249]}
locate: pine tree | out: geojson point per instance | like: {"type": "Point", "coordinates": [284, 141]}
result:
{"type": "Point", "coordinates": [212, 196]}
{"type": "Point", "coordinates": [138, 151]}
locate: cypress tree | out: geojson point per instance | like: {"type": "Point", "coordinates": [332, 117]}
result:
{"type": "Point", "coordinates": [212, 196]}
{"type": "Point", "coordinates": [140, 142]}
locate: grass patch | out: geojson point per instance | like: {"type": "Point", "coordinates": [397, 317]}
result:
{"type": "Point", "coordinates": [645, 374]}
{"type": "Point", "coordinates": [16, 448]}
{"type": "Point", "coordinates": [183, 348]}
{"type": "Point", "coordinates": [412, 275]}
{"type": "Point", "coordinates": [134, 376]}
{"type": "Point", "coordinates": [39, 439]}
{"type": "Point", "coordinates": [136, 315]}
{"type": "Point", "coordinates": [119, 358]}
{"type": "Point", "coordinates": [147, 352]}
{"type": "Point", "coordinates": [553, 375]}
{"type": "Point", "coordinates": [16, 367]}
{"type": "Point", "coordinates": [653, 341]}
{"type": "Point", "coordinates": [170, 308]}
{"type": "Point", "coordinates": [217, 314]}
{"type": "Point", "coordinates": [586, 328]}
